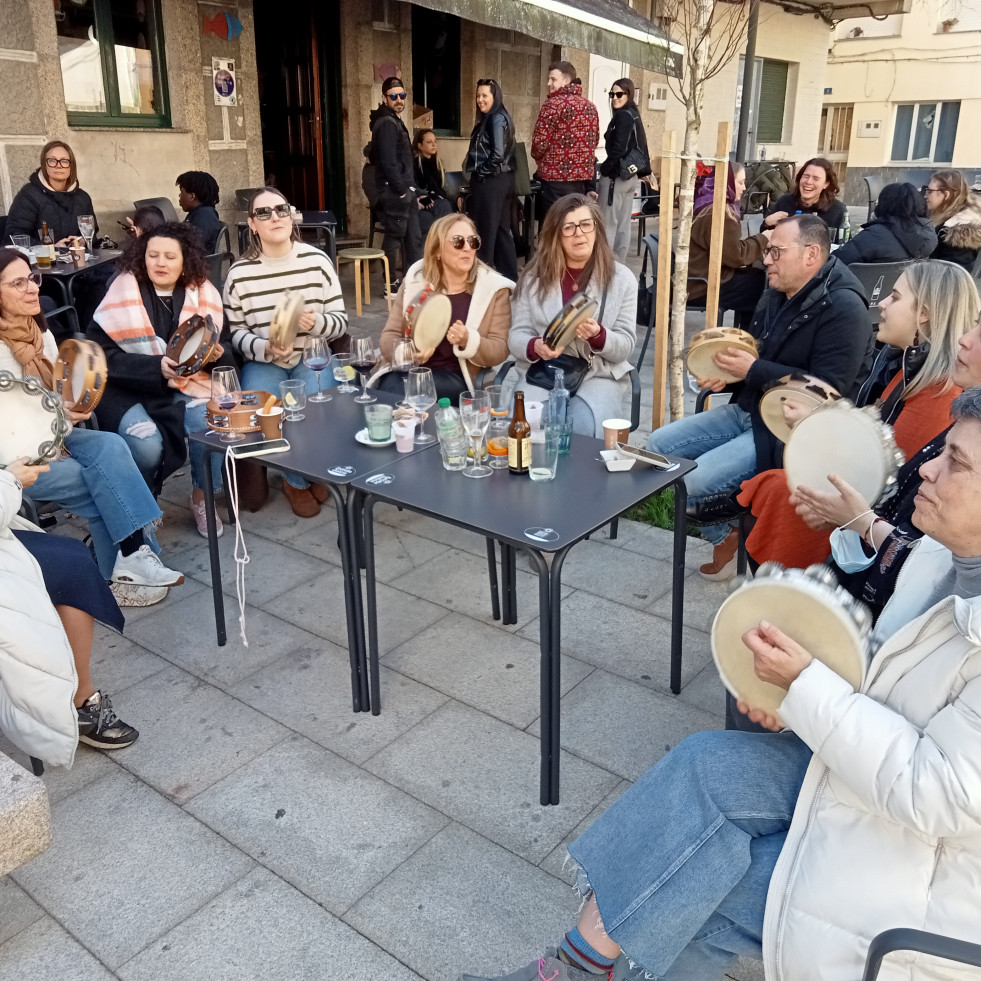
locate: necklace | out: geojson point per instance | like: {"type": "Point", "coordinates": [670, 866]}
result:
{"type": "Point", "coordinates": [574, 279]}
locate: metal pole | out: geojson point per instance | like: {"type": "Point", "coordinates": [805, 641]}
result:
{"type": "Point", "coordinates": [744, 148]}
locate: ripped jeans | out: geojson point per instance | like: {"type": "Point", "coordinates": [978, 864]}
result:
{"type": "Point", "coordinates": [681, 863]}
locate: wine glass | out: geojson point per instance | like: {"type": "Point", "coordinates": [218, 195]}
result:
{"type": "Point", "coordinates": [86, 226]}
{"type": "Point", "coordinates": [226, 390]}
{"type": "Point", "coordinates": [421, 396]}
{"type": "Point", "coordinates": [363, 360]}
{"type": "Point", "coordinates": [475, 415]}
{"type": "Point", "coordinates": [403, 358]}
{"type": "Point", "coordinates": [316, 356]}
{"type": "Point", "coordinates": [342, 362]}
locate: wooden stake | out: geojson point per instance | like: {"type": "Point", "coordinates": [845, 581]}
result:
{"type": "Point", "coordinates": [718, 217]}
{"type": "Point", "coordinates": [662, 316]}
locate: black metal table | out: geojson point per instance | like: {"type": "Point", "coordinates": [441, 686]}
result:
{"type": "Point", "coordinates": [62, 274]}
{"type": "Point", "coordinates": [541, 518]}
{"type": "Point", "coordinates": [324, 451]}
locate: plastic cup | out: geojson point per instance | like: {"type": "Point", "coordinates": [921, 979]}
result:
{"type": "Point", "coordinates": [271, 422]}
{"type": "Point", "coordinates": [533, 413]}
{"type": "Point", "coordinates": [21, 241]}
{"type": "Point", "coordinates": [379, 419]}
{"type": "Point", "coordinates": [454, 452]}
{"type": "Point", "coordinates": [293, 392]}
{"type": "Point", "coordinates": [544, 455]}
{"type": "Point", "coordinates": [615, 431]}
{"type": "Point", "coordinates": [405, 434]}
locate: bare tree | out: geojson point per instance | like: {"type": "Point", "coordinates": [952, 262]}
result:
{"type": "Point", "coordinates": [712, 33]}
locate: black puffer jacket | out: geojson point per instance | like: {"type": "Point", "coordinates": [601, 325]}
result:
{"type": "Point", "coordinates": [36, 202]}
{"type": "Point", "coordinates": [624, 124]}
{"type": "Point", "coordinates": [888, 240]}
{"type": "Point", "coordinates": [491, 144]}
{"type": "Point", "coordinates": [391, 151]}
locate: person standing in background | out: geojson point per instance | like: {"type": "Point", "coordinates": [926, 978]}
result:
{"type": "Point", "coordinates": [565, 139]}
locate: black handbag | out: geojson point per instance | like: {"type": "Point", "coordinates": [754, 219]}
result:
{"type": "Point", "coordinates": [636, 162]}
{"type": "Point", "coordinates": [645, 298]}
{"type": "Point", "coordinates": [541, 374]}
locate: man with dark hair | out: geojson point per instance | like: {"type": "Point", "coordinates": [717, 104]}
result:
{"type": "Point", "coordinates": [814, 319]}
{"type": "Point", "coordinates": [391, 156]}
{"type": "Point", "coordinates": [565, 139]}
{"type": "Point", "coordinates": [144, 220]}
{"type": "Point", "coordinates": [199, 197]}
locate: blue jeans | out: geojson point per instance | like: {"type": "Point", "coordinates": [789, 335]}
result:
{"type": "Point", "coordinates": [681, 863]}
{"type": "Point", "coordinates": [148, 451]}
{"type": "Point", "coordinates": [265, 377]}
{"type": "Point", "coordinates": [100, 482]}
{"type": "Point", "coordinates": [721, 440]}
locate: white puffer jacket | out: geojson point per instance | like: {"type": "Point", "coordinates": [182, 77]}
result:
{"type": "Point", "coordinates": [887, 828]}
{"type": "Point", "coordinates": [37, 670]}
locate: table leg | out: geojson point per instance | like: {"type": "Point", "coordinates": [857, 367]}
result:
{"type": "Point", "coordinates": [546, 703]}
{"type": "Point", "coordinates": [357, 286]}
{"type": "Point", "coordinates": [352, 515]}
{"type": "Point", "coordinates": [509, 603]}
{"type": "Point", "coordinates": [371, 605]}
{"type": "Point", "coordinates": [209, 510]}
{"type": "Point", "coordinates": [492, 575]}
{"type": "Point", "coordinates": [678, 581]}
{"type": "Point", "coordinates": [555, 679]}
{"type": "Point", "coordinates": [344, 546]}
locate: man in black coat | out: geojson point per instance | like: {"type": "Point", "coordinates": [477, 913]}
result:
{"type": "Point", "coordinates": [812, 319]}
{"type": "Point", "coordinates": [391, 156]}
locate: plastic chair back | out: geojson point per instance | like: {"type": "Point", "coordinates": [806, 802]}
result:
{"type": "Point", "coordinates": [878, 279]}
{"type": "Point", "coordinates": [165, 205]}
{"type": "Point", "coordinates": [874, 186]}
{"type": "Point", "coordinates": [223, 242]}
{"type": "Point", "coordinates": [921, 941]}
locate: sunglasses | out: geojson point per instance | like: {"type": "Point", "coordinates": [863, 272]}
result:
{"type": "Point", "coordinates": [57, 161]}
{"type": "Point", "coordinates": [396, 96]}
{"type": "Point", "coordinates": [617, 95]}
{"type": "Point", "coordinates": [279, 210]}
{"type": "Point", "coordinates": [458, 241]}
{"type": "Point", "coordinates": [20, 285]}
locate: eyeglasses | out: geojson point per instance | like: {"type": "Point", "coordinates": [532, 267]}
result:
{"type": "Point", "coordinates": [775, 251]}
{"type": "Point", "coordinates": [617, 95]}
{"type": "Point", "coordinates": [586, 226]}
{"type": "Point", "coordinates": [57, 161]}
{"type": "Point", "coordinates": [396, 96]}
{"type": "Point", "coordinates": [458, 241]}
{"type": "Point", "coordinates": [20, 285]}
{"type": "Point", "coordinates": [279, 210]}
{"type": "Point", "coordinates": [933, 190]}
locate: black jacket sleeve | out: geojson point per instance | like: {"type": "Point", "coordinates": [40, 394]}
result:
{"type": "Point", "coordinates": [861, 247]}
{"type": "Point", "coordinates": [23, 217]}
{"type": "Point", "coordinates": [617, 140]}
{"type": "Point", "coordinates": [496, 135]}
{"type": "Point", "coordinates": [385, 144]}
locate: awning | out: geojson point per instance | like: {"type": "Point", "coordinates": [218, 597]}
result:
{"type": "Point", "coordinates": [604, 27]}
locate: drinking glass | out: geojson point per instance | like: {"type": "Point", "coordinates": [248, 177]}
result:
{"type": "Point", "coordinates": [316, 356]}
{"type": "Point", "coordinates": [363, 360]}
{"type": "Point", "coordinates": [403, 358]}
{"type": "Point", "coordinates": [343, 373]}
{"type": "Point", "coordinates": [544, 454]}
{"type": "Point", "coordinates": [293, 392]}
{"type": "Point", "coordinates": [86, 227]}
{"type": "Point", "coordinates": [226, 390]}
{"type": "Point", "coordinates": [421, 396]}
{"type": "Point", "coordinates": [379, 420]}
{"type": "Point", "coordinates": [475, 415]}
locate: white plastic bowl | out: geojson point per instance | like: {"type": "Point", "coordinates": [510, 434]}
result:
{"type": "Point", "coordinates": [616, 461]}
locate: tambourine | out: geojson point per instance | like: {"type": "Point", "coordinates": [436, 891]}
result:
{"type": "Point", "coordinates": [80, 374]}
{"type": "Point", "coordinates": [806, 604]}
{"type": "Point", "coordinates": [427, 316]}
{"type": "Point", "coordinates": [708, 343]}
{"type": "Point", "coordinates": [788, 400]}
{"type": "Point", "coordinates": [193, 344]}
{"type": "Point", "coordinates": [562, 330]}
{"type": "Point", "coordinates": [853, 443]}
{"type": "Point", "coordinates": [285, 323]}
{"type": "Point", "coordinates": [241, 418]}
{"type": "Point", "coordinates": [33, 421]}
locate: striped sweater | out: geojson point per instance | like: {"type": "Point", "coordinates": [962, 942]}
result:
{"type": "Point", "coordinates": [255, 286]}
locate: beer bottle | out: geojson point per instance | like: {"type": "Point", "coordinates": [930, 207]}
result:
{"type": "Point", "coordinates": [519, 437]}
{"type": "Point", "coordinates": [46, 253]}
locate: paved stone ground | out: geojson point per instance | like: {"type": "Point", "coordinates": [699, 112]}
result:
{"type": "Point", "coordinates": [260, 829]}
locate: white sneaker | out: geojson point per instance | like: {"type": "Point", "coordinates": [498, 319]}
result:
{"type": "Point", "coordinates": [143, 568]}
{"type": "Point", "coordinates": [129, 595]}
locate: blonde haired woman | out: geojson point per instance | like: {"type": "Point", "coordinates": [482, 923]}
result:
{"type": "Point", "coordinates": [481, 310]}
{"type": "Point", "coordinates": [956, 215]}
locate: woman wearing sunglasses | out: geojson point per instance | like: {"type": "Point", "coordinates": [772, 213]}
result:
{"type": "Point", "coordinates": [50, 195]}
{"type": "Point", "coordinates": [574, 258]}
{"type": "Point", "coordinates": [481, 311]}
{"type": "Point", "coordinates": [274, 262]}
{"type": "Point", "coordinates": [490, 164]}
{"type": "Point", "coordinates": [624, 137]}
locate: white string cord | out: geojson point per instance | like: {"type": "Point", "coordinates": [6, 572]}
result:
{"type": "Point", "coordinates": [241, 552]}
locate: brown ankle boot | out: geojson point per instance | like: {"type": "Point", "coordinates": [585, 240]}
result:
{"type": "Point", "coordinates": [304, 504]}
{"type": "Point", "coordinates": [723, 564]}
{"type": "Point", "coordinates": [320, 492]}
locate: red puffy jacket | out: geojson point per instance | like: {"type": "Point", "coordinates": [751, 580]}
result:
{"type": "Point", "coordinates": [566, 136]}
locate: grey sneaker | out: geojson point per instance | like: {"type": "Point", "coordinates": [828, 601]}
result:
{"type": "Point", "coordinates": [100, 727]}
{"type": "Point", "coordinates": [545, 968]}
{"type": "Point", "coordinates": [144, 568]}
{"type": "Point", "coordinates": [127, 594]}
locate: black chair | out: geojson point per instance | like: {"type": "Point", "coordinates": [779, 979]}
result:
{"type": "Point", "coordinates": [526, 191]}
{"type": "Point", "coordinates": [242, 196]}
{"type": "Point", "coordinates": [922, 942]}
{"type": "Point", "coordinates": [650, 207]}
{"type": "Point", "coordinates": [324, 226]}
{"type": "Point", "coordinates": [873, 185]}
{"type": "Point", "coordinates": [878, 279]}
{"type": "Point", "coordinates": [218, 265]}
{"type": "Point", "coordinates": [223, 241]}
{"type": "Point", "coordinates": [3, 230]}
{"type": "Point", "coordinates": [165, 205]}
{"type": "Point", "coordinates": [976, 269]}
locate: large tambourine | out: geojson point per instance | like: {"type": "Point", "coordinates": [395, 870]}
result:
{"type": "Point", "coordinates": [790, 399]}
{"type": "Point", "coordinates": [193, 344]}
{"type": "Point", "coordinates": [33, 421]}
{"type": "Point", "coordinates": [806, 604]}
{"type": "Point", "coordinates": [241, 418]}
{"type": "Point", "coordinates": [708, 343]}
{"type": "Point", "coordinates": [562, 330]}
{"type": "Point", "coordinates": [80, 374]}
{"type": "Point", "coordinates": [853, 443]}
{"type": "Point", "coordinates": [427, 316]}
{"type": "Point", "coordinates": [285, 323]}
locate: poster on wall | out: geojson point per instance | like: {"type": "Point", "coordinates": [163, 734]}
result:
{"type": "Point", "coordinates": [223, 77]}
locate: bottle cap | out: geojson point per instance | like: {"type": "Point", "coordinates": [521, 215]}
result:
{"type": "Point", "coordinates": [443, 403]}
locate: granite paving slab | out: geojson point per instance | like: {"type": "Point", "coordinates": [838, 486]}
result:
{"type": "Point", "coordinates": [706, 691]}
{"type": "Point", "coordinates": [89, 765]}
{"type": "Point", "coordinates": [176, 594]}
{"type": "Point", "coordinates": [44, 951]}
{"type": "Point", "coordinates": [702, 601]}
{"type": "Point", "coordinates": [118, 661]}
{"type": "Point", "coordinates": [431, 528]}
{"type": "Point", "coordinates": [616, 574]}
{"type": "Point", "coordinates": [17, 910]}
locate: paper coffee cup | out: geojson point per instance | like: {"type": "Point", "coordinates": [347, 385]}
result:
{"type": "Point", "coordinates": [615, 431]}
{"type": "Point", "coordinates": [271, 422]}
{"type": "Point", "coordinates": [533, 414]}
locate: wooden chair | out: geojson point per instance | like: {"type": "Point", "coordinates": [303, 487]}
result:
{"type": "Point", "coordinates": [362, 258]}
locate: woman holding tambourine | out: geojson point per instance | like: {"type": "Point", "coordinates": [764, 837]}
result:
{"type": "Point", "coordinates": [149, 400]}
{"type": "Point", "coordinates": [473, 332]}
{"type": "Point", "coordinates": [575, 258]}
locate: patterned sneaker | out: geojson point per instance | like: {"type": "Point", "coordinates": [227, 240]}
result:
{"type": "Point", "coordinates": [143, 568]}
{"type": "Point", "coordinates": [391, 289]}
{"type": "Point", "coordinates": [100, 727]}
{"type": "Point", "coordinates": [547, 968]}
{"type": "Point", "coordinates": [199, 513]}
{"type": "Point", "coordinates": [128, 595]}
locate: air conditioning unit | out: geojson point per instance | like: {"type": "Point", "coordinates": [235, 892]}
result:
{"type": "Point", "coordinates": [657, 97]}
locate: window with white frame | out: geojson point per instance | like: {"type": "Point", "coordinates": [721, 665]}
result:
{"type": "Point", "coordinates": [925, 131]}
{"type": "Point", "coordinates": [956, 16]}
{"type": "Point", "coordinates": [772, 95]}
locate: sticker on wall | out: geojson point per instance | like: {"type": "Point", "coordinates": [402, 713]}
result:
{"type": "Point", "coordinates": [226, 26]}
{"type": "Point", "coordinates": [223, 76]}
